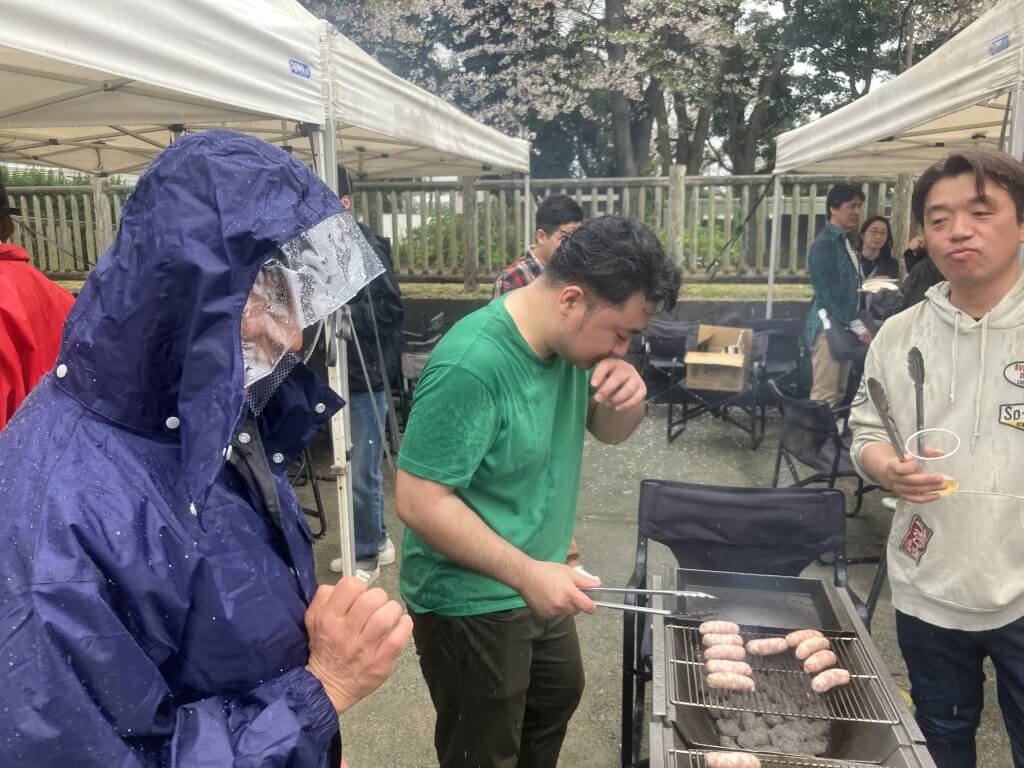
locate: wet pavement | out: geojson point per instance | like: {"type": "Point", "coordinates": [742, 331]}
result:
{"type": "Point", "coordinates": [394, 726]}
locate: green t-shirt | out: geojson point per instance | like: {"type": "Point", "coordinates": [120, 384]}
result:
{"type": "Point", "coordinates": [505, 429]}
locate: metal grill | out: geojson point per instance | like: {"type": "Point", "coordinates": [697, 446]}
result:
{"type": "Point", "coordinates": [782, 686]}
{"type": "Point", "coordinates": [683, 758]}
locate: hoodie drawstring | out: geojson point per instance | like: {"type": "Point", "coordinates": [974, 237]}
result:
{"type": "Point", "coordinates": [956, 344]}
{"type": "Point", "coordinates": [981, 381]}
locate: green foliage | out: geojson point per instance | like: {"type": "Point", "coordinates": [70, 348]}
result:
{"type": "Point", "coordinates": [47, 177]}
{"type": "Point", "coordinates": [433, 254]}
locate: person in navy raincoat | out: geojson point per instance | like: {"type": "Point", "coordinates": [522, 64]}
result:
{"type": "Point", "coordinates": [159, 605]}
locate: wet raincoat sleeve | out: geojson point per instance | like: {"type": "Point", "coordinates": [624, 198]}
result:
{"type": "Point", "coordinates": [82, 674]}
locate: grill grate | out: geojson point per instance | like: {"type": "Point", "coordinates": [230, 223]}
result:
{"type": "Point", "coordinates": [683, 758]}
{"type": "Point", "coordinates": [783, 688]}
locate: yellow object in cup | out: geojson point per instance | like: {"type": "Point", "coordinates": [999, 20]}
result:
{"type": "Point", "coordinates": [933, 448]}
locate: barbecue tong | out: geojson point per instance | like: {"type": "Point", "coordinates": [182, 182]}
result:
{"type": "Point", "coordinates": [646, 609]}
{"type": "Point", "coordinates": [915, 364]}
{"type": "Point", "coordinates": [881, 401]}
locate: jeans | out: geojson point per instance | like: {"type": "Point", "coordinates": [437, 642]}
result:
{"type": "Point", "coordinates": [367, 478]}
{"type": "Point", "coordinates": [504, 686]}
{"type": "Point", "coordinates": [947, 684]}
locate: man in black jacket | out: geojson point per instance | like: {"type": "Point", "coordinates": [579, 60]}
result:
{"type": "Point", "coordinates": [369, 395]}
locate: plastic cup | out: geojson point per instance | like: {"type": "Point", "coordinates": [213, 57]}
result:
{"type": "Point", "coordinates": [933, 448]}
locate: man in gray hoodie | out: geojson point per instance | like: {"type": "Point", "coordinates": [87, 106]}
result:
{"type": "Point", "coordinates": [956, 560]}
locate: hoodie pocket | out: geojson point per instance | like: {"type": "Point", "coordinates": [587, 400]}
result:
{"type": "Point", "coordinates": [961, 551]}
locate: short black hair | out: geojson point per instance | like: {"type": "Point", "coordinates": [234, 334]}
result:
{"type": "Point", "coordinates": [556, 211]}
{"type": "Point", "coordinates": [842, 193]}
{"type": "Point", "coordinates": [1001, 168]}
{"type": "Point", "coordinates": [613, 258]}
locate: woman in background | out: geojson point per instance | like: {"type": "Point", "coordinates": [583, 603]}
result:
{"type": "Point", "coordinates": [876, 258]}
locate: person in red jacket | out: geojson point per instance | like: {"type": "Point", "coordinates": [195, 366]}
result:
{"type": "Point", "coordinates": [32, 312]}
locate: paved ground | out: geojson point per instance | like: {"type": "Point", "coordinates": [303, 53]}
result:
{"type": "Point", "coordinates": [394, 727]}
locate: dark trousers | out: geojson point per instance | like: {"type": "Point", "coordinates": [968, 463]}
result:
{"type": "Point", "coordinates": [947, 681]}
{"type": "Point", "coordinates": [504, 686]}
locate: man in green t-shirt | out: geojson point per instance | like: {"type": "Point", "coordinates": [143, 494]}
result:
{"type": "Point", "coordinates": [487, 486]}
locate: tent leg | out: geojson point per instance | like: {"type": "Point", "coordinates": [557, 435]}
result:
{"type": "Point", "coordinates": [337, 379]}
{"type": "Point", "coordinates": [527, 208]}
{"type": "Point", "coordinates": [1017, 124]}
{"type": "Point", "coordinates": [341, 430]}
{"type": "Point", "coordinates": [773, 251]}
{"type": "Point", "coordinates": [1017, 136]}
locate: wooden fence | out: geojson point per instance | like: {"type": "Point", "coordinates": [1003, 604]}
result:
{"type": "Point", "coordinates": [467, 230]}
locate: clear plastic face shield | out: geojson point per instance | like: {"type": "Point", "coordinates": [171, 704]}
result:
{"type": "Point", "coordinates": [307, 279]}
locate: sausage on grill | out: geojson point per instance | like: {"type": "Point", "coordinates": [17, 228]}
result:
{"type": "Point", "coordinates": [719, 628]}
{"type": "Point", "coordinates": [730, 652]}
{"type": "Point", "coordinates": [731, 760]}
{"type": "Point", "coordinates": [726, 665]}
{"type": "Point", "coordinates": [811, 646]}
{"type": "Point", "coordinates": [829, 679]}
{"type": "Point", "coordinates": [819, 662]}
{"type": "Point", "coordinates": [795, 638]}
{"type": "Point", "coordinates": [730, 681]}
{"type": "Point", "coordinates": [710, 640]}
{"type": "Point", "coordinates": [767, 646]}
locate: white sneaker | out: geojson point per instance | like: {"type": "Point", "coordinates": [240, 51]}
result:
{"type": "Point", "coordinates": [368, 576]}
{"type": "Point", "coordinates": [386, 551]}
{"type": "Point", "coordinates": [890, 503]}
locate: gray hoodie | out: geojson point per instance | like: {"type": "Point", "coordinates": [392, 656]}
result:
{"type": "Point", "coordinates": [957, 562]}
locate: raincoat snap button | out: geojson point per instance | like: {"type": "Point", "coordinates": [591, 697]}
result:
{"type": "Point", "coordinates": [243, 438]}
{"type": "Point", "coordinates": [62, 371]}
{"type": "Point", "coordinates": [173, 422]}
{"type": "Point", "coordinates": [278, 458]}
{"type": "Point", "coordinates": [320, 408]}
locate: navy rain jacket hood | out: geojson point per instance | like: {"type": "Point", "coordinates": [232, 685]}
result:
{"type": "Point", "coordinates": [152, 609]}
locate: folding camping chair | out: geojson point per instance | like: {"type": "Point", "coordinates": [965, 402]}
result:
{"type": "Point", "coordinates": [777, 531]}
{"type": "Point", "coordinates": [663, 351]}
{"type": "Point", "coordinates": [692, 403]}
{"type": "Point", "coordinates": [811, 437]}
{"type": "Point", "coordinates": [784, 353]}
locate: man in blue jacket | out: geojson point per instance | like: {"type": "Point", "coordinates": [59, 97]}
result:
{"type": "Point", "coordinates": [836, 278]}
{"type": "Point", "coordinates": [160, 604]}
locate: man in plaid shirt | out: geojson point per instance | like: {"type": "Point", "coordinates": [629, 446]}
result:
{"type": "Point", "coordinates": [557, 216]}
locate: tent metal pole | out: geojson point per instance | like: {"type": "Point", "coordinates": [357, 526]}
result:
{"type": "Point", "coordinates": [773, 252]}
{"type": "Point", "coordinates": [1017, 124]}
{"type": "Point", "coordinates": [337, 377]}
{"type": "Point", "coordinates": [1017, 136]}
{"type": "Point", "coordinates": [527, 206]}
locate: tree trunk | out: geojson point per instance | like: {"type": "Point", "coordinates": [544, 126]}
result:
{"type": "Point", "coordinates": [662, 139]}
{"type": "Point", "coordinates": [622, 133]}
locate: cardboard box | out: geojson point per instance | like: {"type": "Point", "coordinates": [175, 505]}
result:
{"type": "Point", "coordinates": [721, 360]}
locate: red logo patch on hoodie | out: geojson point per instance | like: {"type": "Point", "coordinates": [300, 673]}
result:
{"type": "Point", "coordinates": [1014, 373]}
{"type": "Point", "coordinates": [915, 542]}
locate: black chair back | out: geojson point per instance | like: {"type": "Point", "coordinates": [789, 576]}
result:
{"type": "Point", "coordinates": [668, 338]}
{"type": "Point", "coordinates": [808, 428]}
{"type": "Point", "coordinates": [777, 531]}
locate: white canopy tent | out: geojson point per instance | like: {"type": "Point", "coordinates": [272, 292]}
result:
{"type": "Point", "coordinates": [968, 93]}
{"type": "Point", "coordinates": [387, 127]}
{"type": "Point", "coordinates": [102, 88]}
